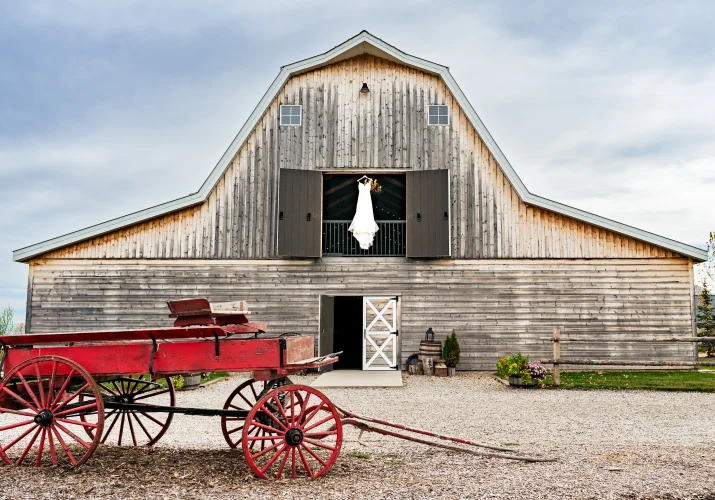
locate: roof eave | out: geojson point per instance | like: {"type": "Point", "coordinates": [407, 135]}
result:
{"type": "Point", "coordinates": [29, 252]}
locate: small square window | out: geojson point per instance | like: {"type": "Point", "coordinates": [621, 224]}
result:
{"type": "Point", "coordinates": [438, 114]}
{"type": "Point", "coordinates": [291, 114]}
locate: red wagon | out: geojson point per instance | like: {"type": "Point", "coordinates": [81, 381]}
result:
{"type": "Point", "coordinates": [64, 394]}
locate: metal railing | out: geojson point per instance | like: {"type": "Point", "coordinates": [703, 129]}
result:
{"type": "Point", "coordinates": [389, 239]}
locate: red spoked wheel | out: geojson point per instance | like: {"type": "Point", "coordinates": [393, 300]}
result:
{"type": "Point", "coordinates": [303, 433]}
{"type": "Point", "coordinates": [244, 398]}
{"type": "Point", "coordinates": [41, 413]}
{"type": "Point", "coordinates": [136, 428]}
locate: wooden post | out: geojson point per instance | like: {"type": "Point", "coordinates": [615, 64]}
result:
{"type": "Point", "coordinates": [693, 313]}
{"type": "Point", "coordinates": [557, 357]}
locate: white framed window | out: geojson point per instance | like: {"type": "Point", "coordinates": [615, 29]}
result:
{"type": "Point", "coordinates": [438, 114]}
{"type": "Point", "coordinates": [291, 114]}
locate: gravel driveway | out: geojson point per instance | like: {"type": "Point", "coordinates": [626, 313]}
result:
{"type": "Point", "coordinates": [610, 444]}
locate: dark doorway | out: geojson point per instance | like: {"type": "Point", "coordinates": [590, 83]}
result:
{"type": "Point", "coordinates": [347, 336]}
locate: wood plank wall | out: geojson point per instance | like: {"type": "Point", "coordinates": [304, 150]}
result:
{"type": "Point", "coordinates": [495, 306]}
{"type": "Point", "coordinates": [346, 130]}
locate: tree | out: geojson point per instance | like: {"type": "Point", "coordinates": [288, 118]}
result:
{"type": "Point", "coordinates": [705, 318]}
{"type": "Point", "coordinates": [6, 320]}
{"type": "Point", "coordinates": [19, 329]}
{"type": "Point", "coordinates": [450, 351]}
{"type": "Point", "coordinates": [706, 270]}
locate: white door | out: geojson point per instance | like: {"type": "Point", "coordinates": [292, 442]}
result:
{"type": "Point", "coordinates": [379, 324]}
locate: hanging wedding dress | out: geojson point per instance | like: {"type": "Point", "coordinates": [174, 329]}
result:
{"type": "Point", "coordinates": [363, 225]}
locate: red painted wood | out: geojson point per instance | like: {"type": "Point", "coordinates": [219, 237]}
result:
{"type": "Point", "coordinates": [189, 356]}
{"type": "Point", "coordinates": [125, 335]}
{"type": "Point", "coordinates": [189, 307]}
{"type": "Point", "coordinates": [299, 348]}
{"type": "Point", "coordinates": [203, 319]}
{"type": "Point", "coordinates": [262, 355]}
{"type": "Point", "coordinates": [247, 328]}
{"type": "Point", "coordinates": [237, 319]}
{"type": "Point", "coordinates": [208, 319]}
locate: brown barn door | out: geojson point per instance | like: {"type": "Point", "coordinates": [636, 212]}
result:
{"type": "Point", "coordinates": [299, 213]}
{"type": "Point", "coordinates": [327, 327]}
{"type": "Point", "coordinates": [428, 213]}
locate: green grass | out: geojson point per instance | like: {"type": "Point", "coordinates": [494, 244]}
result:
{"type": "Point", "coordinates": [210, 376]}
{"type": "Point", "coordinates": [645, 380]}
{"type": "Point", "coordinates": [358, 454]}
{"type": "Point", "coordinates": [213, 376]}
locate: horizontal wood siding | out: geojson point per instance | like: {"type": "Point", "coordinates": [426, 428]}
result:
{"type": "Point", "coordinates": [344, 129]}
{"type": "Point", "coordinates": [495, 306]}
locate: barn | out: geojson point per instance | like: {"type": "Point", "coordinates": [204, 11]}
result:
{"type": "Point", "coordinates": [461, 242]}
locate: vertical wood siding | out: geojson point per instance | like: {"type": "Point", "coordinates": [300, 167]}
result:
{"type": "Point", "coordinates": [496, 307]}
{"type": "Point", "coordinates": [345, 130]}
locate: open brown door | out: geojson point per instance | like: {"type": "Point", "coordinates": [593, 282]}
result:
{"type": "Point", "coordinates": [428, 213]}
{"type": "Point", "coordinates": [299, 213]}
{"type": "Point", "coordinates": [327, 328]}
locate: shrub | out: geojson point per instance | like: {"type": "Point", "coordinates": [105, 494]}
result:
{"type": "Point", "coordinates": [450, 351]}
{"type": "Point", "coordinates": [178, 381]}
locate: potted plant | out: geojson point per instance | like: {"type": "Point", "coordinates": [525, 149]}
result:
{"type": "Point", "coordinates": [537, 371]}
{"type": "Point", "coordinates": [450, 353]}
{"type": "Point", "coordinates": [519, 371]}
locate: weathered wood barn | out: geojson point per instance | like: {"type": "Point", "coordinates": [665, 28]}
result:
{"type": "Point", "coordinates": [462, 244]}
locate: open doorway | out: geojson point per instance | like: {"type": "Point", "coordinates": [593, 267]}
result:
{"type": "Point", "coordinates": [364, 329]}
{"type": "Point", "coordinates": [341, 330]}
{"type": "Point", "coordinates": [347, 332]}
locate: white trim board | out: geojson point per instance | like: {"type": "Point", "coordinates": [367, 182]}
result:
{"type": "Point", "coordinates": [363, 42]}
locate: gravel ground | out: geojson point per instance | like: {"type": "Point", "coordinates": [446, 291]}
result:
{"type": "Point", "coordinates": [609, 444]}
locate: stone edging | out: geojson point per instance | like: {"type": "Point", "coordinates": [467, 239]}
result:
{"type": "Point", "coordinates": [501, 380]}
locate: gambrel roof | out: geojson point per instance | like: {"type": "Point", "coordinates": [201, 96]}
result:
{"type": "Point", "coordinates": [363, 43]}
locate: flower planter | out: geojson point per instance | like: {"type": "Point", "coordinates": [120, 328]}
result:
{"type": "Point", "coordinates": [191, 382]}
{"type": "Point", "coordinates": [516, 381]}
{"type": "Point", "coordinates": [451, 370]}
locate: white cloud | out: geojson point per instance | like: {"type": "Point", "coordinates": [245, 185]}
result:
{"type": "Point", "coordinates": [608, 109]}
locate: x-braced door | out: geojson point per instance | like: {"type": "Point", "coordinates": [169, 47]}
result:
{"type": "Point", "coordinates": [379, 323]}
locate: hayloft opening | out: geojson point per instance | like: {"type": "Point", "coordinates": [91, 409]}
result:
{"type": "Point", "coordinates": [340, 197]}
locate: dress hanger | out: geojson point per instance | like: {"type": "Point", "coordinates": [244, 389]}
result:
{"type": "Point", "coordinates": [364, 177]}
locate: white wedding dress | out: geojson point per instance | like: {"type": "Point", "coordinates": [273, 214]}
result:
{"type": "Point", "coordinates": [363, 225]}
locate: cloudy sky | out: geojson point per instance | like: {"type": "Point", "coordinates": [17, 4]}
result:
{"type": "Point", "coordinates": [110, 107]}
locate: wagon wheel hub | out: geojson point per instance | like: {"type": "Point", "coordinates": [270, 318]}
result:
{"type": "Point", "coordinates": [294, 437]}
{"type": "Point", "coordinates": [44, 418]}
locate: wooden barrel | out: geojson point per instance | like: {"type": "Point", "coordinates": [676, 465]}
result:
{"type": "Point", "coordinates": [430, 352]}
{"type": "Point", "coordinates": [431, 349]}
